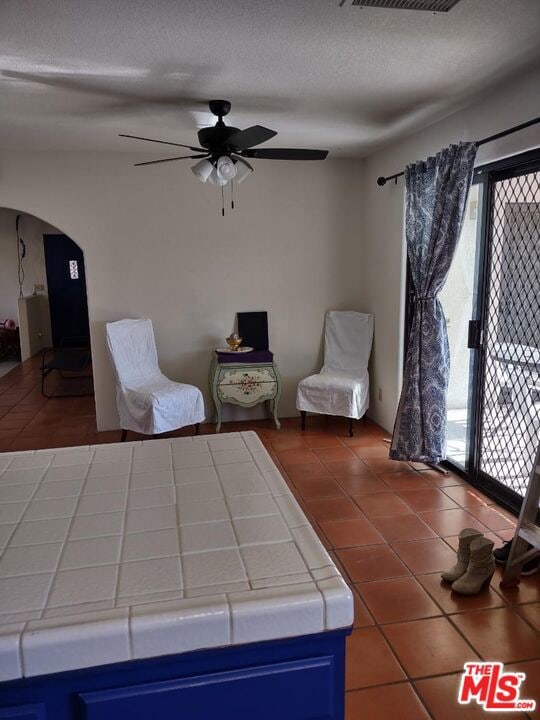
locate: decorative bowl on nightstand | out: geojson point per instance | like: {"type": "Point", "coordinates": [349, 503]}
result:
{"type": "Point", "coordinates": [234, 341]}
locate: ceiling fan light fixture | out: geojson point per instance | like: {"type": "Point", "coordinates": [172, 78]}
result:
{"type": "Point", "coordinates": [242, 172]}
{"type": "Point", "coordinates": [202, 170]}
{"type": "Point", "coordinates": [215, 179]}
{"type": "Point", "coordinates": [226, 169]}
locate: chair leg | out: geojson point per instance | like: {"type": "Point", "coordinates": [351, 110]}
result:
{"type": "Point", "coordinates": [303, 419]}
{"type": "Point", "coordinates": [44, 373]}
{"type": "Point", "coordinates": [351, 434]}
{"type": "Point", "coordinates": [196, 428]}
{"type": "Point", "coordinates": [124, 436]}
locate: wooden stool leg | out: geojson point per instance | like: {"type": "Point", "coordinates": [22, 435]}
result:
{"type": "Point", "coordinates": [196, 428]}
{"type": "Point", "coordinates": [124, 435]}
{"type": "Point", "coordinates": [351, 427]}
{"type": "Point", "coordinates": [303, 419]}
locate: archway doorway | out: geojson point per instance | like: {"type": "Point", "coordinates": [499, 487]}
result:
{"type": "Point", "coordinates": [43, 301]}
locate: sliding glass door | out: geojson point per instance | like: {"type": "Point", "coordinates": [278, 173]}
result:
{"type": "Point", "coordinates": [459, 299]}
{"type": "Point", "coordinates": [510, 411]}
{"type": "Point", "coordinates": [492, 307]}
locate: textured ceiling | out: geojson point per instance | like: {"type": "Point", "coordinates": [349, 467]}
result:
{"type": "Point", "coordinates": [75, 73]}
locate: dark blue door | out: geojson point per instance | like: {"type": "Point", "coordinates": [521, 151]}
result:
{"type": "Point", "coordinates": [66, 283]}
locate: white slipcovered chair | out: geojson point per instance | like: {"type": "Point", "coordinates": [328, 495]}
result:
{"type": "Point", "coordinates": [342, 386]}
{"type": "Point", "coordinates": [147, 401]}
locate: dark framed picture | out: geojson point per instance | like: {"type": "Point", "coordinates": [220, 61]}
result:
{"type": "Point", "coordinates": [253, 328]}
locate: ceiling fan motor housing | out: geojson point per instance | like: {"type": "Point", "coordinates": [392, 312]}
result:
{"type": "Point", "coordinates": [214, 138]}
{"type": "Point", "coordinates": [220, 108]}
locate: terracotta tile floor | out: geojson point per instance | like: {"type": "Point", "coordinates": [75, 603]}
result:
{"type": "Point", "coordinates": [390, 527]}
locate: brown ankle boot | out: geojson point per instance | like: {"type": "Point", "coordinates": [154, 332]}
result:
{"type": "Point", "coordinates": [480, 570]}
{"type": "Point", "coordinates": [466, 537]}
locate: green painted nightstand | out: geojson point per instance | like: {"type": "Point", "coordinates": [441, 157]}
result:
{"type": "Point", "coordinates": [245, 384]}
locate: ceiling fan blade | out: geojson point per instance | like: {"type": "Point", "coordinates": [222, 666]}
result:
{"type": "Point", "coordinates": [286, 154]}
{"type": "Point", "coordinates": [115, 87]}
{"type": "Point", "coordinates": [162, 142]}
{"type": "Point", "coordinates": [181, 157]}
{"type": "Point", "coordinates": [66, 81]}
{"type": "Point", "coordinates": [253, 135]}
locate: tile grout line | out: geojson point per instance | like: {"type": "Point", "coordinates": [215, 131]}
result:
{"type": "Point", "coordinates": [178, 526]}
{"type": "Point", "coordinates": [21, 519]}
{"type": "Point", "coordinates": [121, 547]}
{"type": "Point", "coordinates": [407, 682]}
{"type": "Point", "coordinates": [231, 519]}
{"type": "Point", "coordinates": [230, 613]}
{"type": "Point", "coordinates": [65, 540]}
{"type": "Point", "coordinates": [450, 618]}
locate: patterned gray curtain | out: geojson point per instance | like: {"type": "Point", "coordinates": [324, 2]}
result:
{"type": "Point", "coordinates": [436, 194]}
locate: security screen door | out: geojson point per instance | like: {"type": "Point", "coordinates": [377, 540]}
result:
{"type": "Point", "coordinates": [492, 307]}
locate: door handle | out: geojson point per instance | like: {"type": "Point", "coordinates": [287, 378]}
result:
{"type": "Point", "coordinates": [474, 340]}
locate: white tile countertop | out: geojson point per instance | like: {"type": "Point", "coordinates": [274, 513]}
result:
{"type": "Point", "coordinates": [133, 550]}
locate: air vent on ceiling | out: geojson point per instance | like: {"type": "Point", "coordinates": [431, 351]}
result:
{"type": "Point", "coordinates": [431, 5]}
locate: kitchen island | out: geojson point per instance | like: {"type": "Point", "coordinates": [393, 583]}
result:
{"type": "Point", "coordinates": [171, 578]}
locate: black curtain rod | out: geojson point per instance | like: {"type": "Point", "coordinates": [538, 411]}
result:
{"type": "Point", "coordinates": [383, 180]}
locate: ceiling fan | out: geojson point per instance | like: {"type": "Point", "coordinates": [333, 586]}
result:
{"type": "Point", "coordinates": [224, 149]}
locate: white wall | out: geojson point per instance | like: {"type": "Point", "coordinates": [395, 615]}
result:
{"type": "Point", "coordinates": [31, 229]}
{"type": "Point", "coordinates": [383, 246]}
{"type": "Point", "coordinates": [156, 246]}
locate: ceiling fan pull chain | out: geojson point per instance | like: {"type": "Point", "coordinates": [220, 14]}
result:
{"type": "Point", "coordinates": [232, 195]}
{"type": "Point", "coordinates": [222, 203]}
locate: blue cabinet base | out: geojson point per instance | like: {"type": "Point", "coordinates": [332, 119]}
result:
{"type": "Point", "coordinates": [293, 679]}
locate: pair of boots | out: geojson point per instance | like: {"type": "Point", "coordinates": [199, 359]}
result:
{"type": "Point", "coordinates": [475, 563]}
